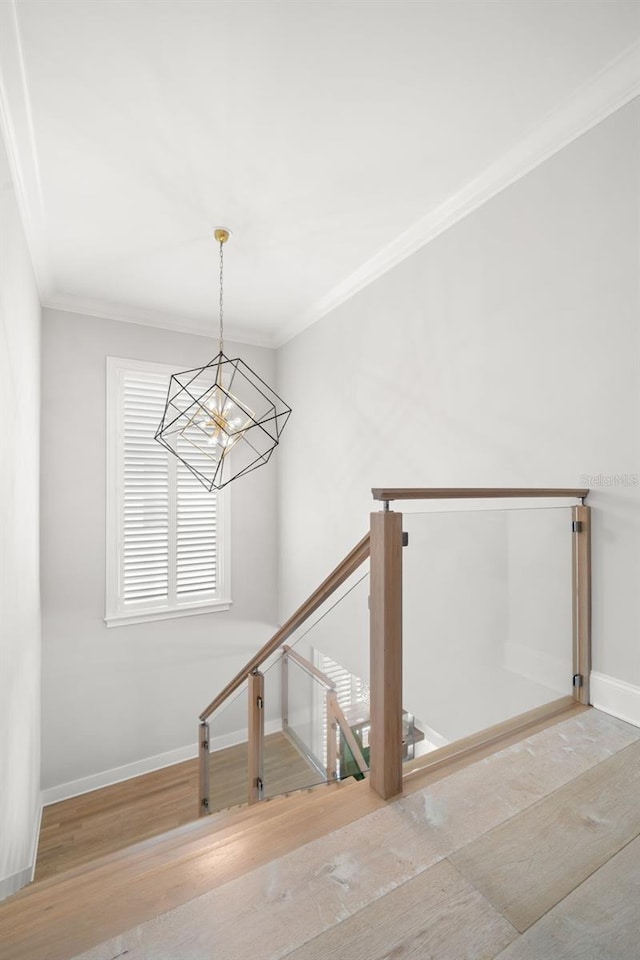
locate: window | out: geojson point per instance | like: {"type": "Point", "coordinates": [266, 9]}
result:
{"type": "Point", "coordinates": [167, 536]}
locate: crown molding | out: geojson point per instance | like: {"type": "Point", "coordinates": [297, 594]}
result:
{"type": "Point", "coordinates": [606, 92]}
{"type": "Point", "coordinates": [614, 86]}
{"type": "Point", "coordinates": [103, 310]}
{"type": "Point", "coordinates": [16, 123]}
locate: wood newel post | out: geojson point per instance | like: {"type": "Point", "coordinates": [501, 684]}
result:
{"type": "Point", "coordinates": [581, 603]}
{"type": "Point", "coordinates": [255, 769]}
{"type": "Point", "coordinates": [385, 666]}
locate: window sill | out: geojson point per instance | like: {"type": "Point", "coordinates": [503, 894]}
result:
{"type": "Point", "coordinates": [145, 616]}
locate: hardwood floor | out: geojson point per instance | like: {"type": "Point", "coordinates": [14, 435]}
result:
{"type": "Point", "coordinates": [577, 829]}
{"type": "Point", "coordinates": [529, 852]}
{"type": "Point", "coordinates": [79, 830]}
{"type": "Point", "coordinates": [285, 770]}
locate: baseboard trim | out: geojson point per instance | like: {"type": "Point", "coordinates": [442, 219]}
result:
{"type": "Point", "coordinates": [106, 778]}
{"type": "Point", "coordinates": [11, 884]}
{"type": "Point", "coordinates": [616, 697]}
{"type": "Point", "coordinates": [36, 841]}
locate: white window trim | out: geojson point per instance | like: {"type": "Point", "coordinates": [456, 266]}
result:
{"type": "Point", "coordinates": [115, 615]}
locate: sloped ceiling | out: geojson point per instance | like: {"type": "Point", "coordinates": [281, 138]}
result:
{"type": "Point", "coordinates": [333, 137]}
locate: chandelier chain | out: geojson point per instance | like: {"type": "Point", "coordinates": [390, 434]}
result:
{"type": "Point", "coordinates": [221, 299]}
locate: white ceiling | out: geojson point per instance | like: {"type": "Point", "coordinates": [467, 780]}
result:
{"type": "Point", "coordinates": [333, 137]}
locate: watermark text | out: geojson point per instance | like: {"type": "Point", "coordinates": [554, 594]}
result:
{"type": "Point", "coordinates": [610, 479]}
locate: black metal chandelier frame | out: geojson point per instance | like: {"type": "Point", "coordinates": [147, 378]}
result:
{"type": "Point", "coordinates": [222, 420]}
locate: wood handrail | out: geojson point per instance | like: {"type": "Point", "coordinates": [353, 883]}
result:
{"type": "Point", "coordinates": [308, 667]}
{"type": "Point", "coordinates": [344, 570]}
{"type": "Point", "coordinates": [474, 493]}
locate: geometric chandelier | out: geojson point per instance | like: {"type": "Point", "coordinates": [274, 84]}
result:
{"type": "Point", "coordinates": [221, 420]}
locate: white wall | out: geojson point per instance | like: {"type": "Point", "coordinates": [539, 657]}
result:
{"type": "Point", "coordinates": [118, 696]}
{"type": "Point", "coordinates": [19, 546]}
{"type": "Point", "coordinates": [504, 353]}
{"type": "Point", "coordinates": [539, 638]}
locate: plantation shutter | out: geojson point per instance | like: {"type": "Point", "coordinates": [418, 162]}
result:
{"type": "Point", "coordinates": [196, 531]}
{"type": "Point", "coordinates": [168, 522]}
{"type": "Point", "coordinates": [145, 491]}
{"type": "Point", "coordinates": [349, 689]}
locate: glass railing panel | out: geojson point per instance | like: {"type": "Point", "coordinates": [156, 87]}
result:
{"type": "Point", "coordinates": [340, 628]}
{"type": "Point", "coordinates": [305, 711]}
{"type": "Point", "coordinates": [539, 643]}
{"type": "Point", "coordinates": [335, 642]}
{"type": "Point", "coordinates": [290, 761]}
{"type": "Point", "coordinates": [228, 753]}
{"type": "Point", "coordinates": [487, 617]}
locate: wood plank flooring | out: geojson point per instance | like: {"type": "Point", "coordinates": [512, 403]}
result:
{"type": "Point", "coordinates": [340, 873]}
{"type": "Point", "coordinates": [438, 913]}
{"type": "Point", "coordinates": [599, 920]}
{"type": "Point", "coordinates": [343, 896]}
{"type": "Point", "coordinates": [79, 830]}
{"type": "Point", "coordinates": [574, 831]}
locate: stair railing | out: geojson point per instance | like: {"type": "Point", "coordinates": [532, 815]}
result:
{"type": "Point", "coordinates": [251, 672]}
{"type": "Point", "coordinates": [385, 659]}
{"type": "Point", "coordinates": [383, 545]}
